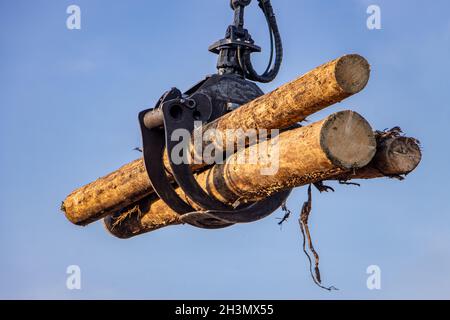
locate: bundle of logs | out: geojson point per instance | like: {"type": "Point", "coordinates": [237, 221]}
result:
{"type": "Point", "coordinates": [341, 147]}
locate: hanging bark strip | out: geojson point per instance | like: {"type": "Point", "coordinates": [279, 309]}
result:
{"type": "Point", "coordinates": [304, 228]}
{"type": "Point", "coordinates": [280, 109]}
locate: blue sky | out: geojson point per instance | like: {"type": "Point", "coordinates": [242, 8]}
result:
{"type": "Point", "coordinates": [68, 114]}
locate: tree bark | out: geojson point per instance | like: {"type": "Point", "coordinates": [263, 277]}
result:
{"type": "Point", "coordinates": [285, 106]}
{"type": "Point", "coordinates": [342, 142]}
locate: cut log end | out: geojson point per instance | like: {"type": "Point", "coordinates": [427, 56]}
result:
{"type": "Point", "coordinates": [352, 73]}
{"type": "Point", "coordinates": [348, 140]}
{"type": "Point", "coordinates": [401, 154]}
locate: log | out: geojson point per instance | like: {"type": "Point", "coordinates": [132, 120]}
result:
{"type": "Point", "coordinates": [296, 100]}
{"type": "Point", "coordinates": [342, 142]}
{"type": "Point", "coordinates": [285, 106]}
{"type": "Point", "coordinates": [396, 157]}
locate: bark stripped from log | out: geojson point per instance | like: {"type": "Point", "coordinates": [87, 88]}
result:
{"type": "Point", "coordinates": [396, 157]}
{"type": "Point", "coordinates": [343, 141]}
{"type": "Point", "coordinates": [292, 102]}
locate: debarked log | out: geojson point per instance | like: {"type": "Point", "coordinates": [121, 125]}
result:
{"type": "Point", "coordinates": [280, 109]}
{"type": "Point", "coordinates": [342, 142]}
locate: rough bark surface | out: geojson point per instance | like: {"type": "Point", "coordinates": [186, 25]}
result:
{"type": "Point", "coordinates": [306, 154]}
{"type": "Point", "coordinates": [285, 106]}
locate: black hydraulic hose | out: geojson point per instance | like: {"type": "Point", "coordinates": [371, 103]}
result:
{"type": "Point", "coordinates": [244, 58]}
{"type": "Point", "coordinates": [269, 65]}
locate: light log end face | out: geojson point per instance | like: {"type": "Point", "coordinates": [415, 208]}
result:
{"type": "Point", "coordinates": [352, 73]}
{"type": "Point", "coordinates": [348, 140]}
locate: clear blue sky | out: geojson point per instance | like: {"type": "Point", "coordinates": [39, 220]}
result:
{"type": "Point", "coordinates": [69, 103]}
